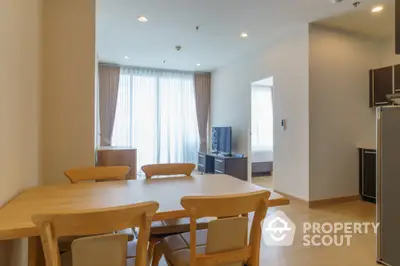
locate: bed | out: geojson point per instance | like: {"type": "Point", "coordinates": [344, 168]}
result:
{"type": "Point", "coordinates": [262, 161]}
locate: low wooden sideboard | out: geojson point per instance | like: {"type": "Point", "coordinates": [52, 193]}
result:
{"type": "Point", "coordinates": [114, 156]}
{"type": "Point", "coordinates": [211, 163]}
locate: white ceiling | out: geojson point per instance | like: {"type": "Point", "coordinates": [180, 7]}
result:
{"type": "Point", "coordinates": [362, 21]}
{"type": "Point", "coordinates": [173, 22]}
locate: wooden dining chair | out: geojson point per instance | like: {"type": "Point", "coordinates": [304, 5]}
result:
{"type": "Point", "coordinates": [168, 169]}
{"type": "Point", "coordinates": [110, 248]}
{"type": "Point", "coordinates": [160, 229]}
{"type": "Point", "coordinates": [225, 242]}
{"type": "Point", "coordinates": [97, 173]}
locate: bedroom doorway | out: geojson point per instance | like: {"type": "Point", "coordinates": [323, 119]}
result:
{"type": "Point", "coordinates": [262, 152]}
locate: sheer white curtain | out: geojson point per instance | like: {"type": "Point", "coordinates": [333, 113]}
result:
{"type": "Point", "coordinates": [156, 113]}
{"type": "Point", "coordinates": [261, 118]}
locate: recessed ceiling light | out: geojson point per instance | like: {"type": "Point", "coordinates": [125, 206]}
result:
{"type": "Point", "coordinates": [143, 19]}
{"type": "Point", "coordinates": [127, 57]}
{"type": "Point", "coordinates": [377, 9]}
{"type": "Point", "coordinates": [197, 64]}
{"type": "Point", "coordinates": [244, 35]}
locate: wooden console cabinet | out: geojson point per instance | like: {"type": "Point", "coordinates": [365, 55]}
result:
{"type": "Point", "coordinates": [111, 156]}
{"type": "Point", "coordinates": [217, 164]}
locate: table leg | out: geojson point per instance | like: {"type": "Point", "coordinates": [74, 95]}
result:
{"type": "Point", "coordinates": [35, 252]}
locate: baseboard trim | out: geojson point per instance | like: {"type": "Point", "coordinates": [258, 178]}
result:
{"type": "Point", "coordinates": [324, 202]}
{"type": "Point", "coordinates": [321, 203]}
{"type": "Point", "coordinates": [290, 197]}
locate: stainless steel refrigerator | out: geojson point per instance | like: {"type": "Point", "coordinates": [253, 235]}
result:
{"type": "Point", "coordinates": [388, 185]}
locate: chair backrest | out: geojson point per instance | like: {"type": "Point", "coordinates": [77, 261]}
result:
{"type": "Point", "coordinates": [168, 169]}
{"type": "Point", "coordinates": [98, 173]}
{"type": "Point", "coordinates": [101, 221]}
{"type": "Point", "coordinates": [232, 211]}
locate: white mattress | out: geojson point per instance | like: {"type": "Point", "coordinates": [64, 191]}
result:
{"type": "Point", "coordinates": [262, 155]}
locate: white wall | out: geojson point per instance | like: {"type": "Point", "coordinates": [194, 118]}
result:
{"type": "Point", "coordinates": [388, 56]}
{"type": "Point", "coordinates": [68, 92]}
{"type": "Point", "coordinates": [339, 112]}
{"type": "Point", "coordinates": [19, 107]}
{"type": "Point", "coordinates": [287, 61]}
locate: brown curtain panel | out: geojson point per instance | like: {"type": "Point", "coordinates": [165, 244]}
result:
{"type": "Point", "coordinates": [202, 87]}
{"type": "Point", "coordinates": [108, 93]}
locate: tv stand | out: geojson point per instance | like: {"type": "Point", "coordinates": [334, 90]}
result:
{"type": "Point", "coordinates": [219, 154]}
{"type": "Point", "coordinates": [212, 163]}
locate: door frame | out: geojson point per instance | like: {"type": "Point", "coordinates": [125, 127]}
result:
{"type": "Point", "coordinates": [249, 133]}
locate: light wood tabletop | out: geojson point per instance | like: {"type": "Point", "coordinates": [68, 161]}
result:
{"type": "Point", "coordinates": [15, 216]}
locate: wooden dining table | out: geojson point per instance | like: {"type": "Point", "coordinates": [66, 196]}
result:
{"type": "Point", "coordinates": [16, 215]}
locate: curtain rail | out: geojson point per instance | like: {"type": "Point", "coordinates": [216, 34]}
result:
{"type": "Point", "coordinates": [152, 69]}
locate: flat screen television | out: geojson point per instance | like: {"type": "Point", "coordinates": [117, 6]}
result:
{"type": "Point", "coordinates": [222, 140]}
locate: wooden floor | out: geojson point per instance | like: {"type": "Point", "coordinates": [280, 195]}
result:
{"type": "Point", "coordinates": [362, 251]}
{"type": "Point", "coordinates": [263, 181]}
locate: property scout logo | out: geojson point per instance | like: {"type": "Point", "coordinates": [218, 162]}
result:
{"type": "Point", "coordinates": [279, 230]}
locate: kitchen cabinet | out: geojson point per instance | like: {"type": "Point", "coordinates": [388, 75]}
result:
{"type": "Point", "coordinates": [381, 84]}
{"type": "Point", "coordinates": [397, 78]}
{"type": "Point", "coordinates": [368, 174]}
{"type": "Point", "coordinates": [397, 29]}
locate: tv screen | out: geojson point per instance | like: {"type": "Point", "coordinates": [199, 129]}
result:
{"type": "Point", "coordinates": [222, 139]}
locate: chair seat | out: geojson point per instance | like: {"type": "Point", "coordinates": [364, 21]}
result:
{"type": "Point", "coordinates": [176, 248]}
{"type": "Point", "coordinates": [130, 262]}
{"type": "Point", "coordinates": [227, 234]}
{"type": "Point", "coordinates": [129, 232]}
{"type": "Point", "coordinates": [176, 226]}
{"type": "Point", "coordinates": [131, 249]}
{"type": "Point", "coordinates": [66, 260]}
